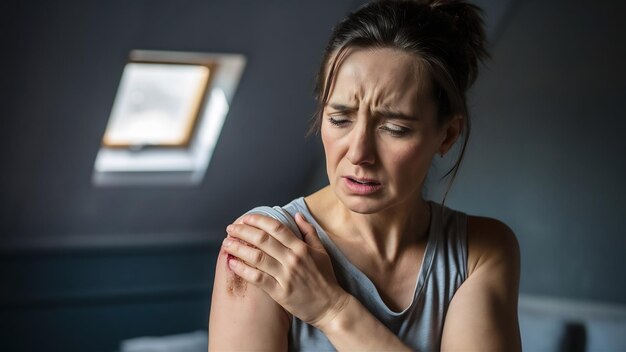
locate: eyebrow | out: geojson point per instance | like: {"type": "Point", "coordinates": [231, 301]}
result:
{"type": "Point", "coordinates": [385, 112]}
{"type": "Point", "coordinates": [395, 115]}
{"type": "Point", "coordinates": [341, 107]}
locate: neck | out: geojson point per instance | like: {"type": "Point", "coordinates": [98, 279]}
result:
{"type": "Point", "coordinates": [385, 233]}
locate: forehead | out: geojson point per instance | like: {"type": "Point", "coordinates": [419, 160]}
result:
{"type": "Point", "coordinates": [381, 76]}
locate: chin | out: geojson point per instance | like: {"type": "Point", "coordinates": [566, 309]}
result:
{"type": "Point", "coordinates": [374, 203]}
{"type": "Point", "coordinates": [362, 204]}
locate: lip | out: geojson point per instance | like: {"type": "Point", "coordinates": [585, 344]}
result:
{"type": "Point", "coordinates": [363, 179]}
{"type": "Point", "coordinates": [362, 189]}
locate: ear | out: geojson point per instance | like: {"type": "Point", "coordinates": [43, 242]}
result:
{"type": "Point", "coordinates": [451, 132]}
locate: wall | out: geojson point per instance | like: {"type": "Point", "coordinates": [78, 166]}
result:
{"type": "Point", "coordinates": [83, 267]}
{"type": "Point", "coordinates": [66, 59]}
{"type": "Point", "coordinates": [546, 153]}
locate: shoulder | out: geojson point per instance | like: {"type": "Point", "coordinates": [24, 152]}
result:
{"type": "Point", "coordinates": [285, 214]}
{"type": "Point", "coordinates": [490, 242]}
{"type": "Point", "coordinates": [239, 309]}
{"type": "Point", "coordinates": [483, 311]}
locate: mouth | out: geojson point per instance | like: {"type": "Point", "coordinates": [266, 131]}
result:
{"type": "Point", "coordinates": [363, 181]}
{"type": "Point", "coordinates": [361, 186]}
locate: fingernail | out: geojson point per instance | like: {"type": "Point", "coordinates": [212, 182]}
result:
{"type": "Point", "coordinates": [232, 262]}
{"type": "Point", "coordinates": [229, 228]}
{"type": "Point", "coordinates": [227, 242]}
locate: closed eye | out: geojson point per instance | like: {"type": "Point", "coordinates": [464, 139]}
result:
{"type": "Point", "coordinates": [338, 121]}
{"type": "Point", "coordinates": [395, 130]}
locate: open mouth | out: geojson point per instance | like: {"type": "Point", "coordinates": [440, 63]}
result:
{"type": "Point", "coordinates": [371, 183]}
{"type": "Point", "coordinates": [362, 186]}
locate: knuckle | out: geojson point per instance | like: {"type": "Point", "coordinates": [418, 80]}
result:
{"type": "Point", "coordinates": [257, 277]}
{"type": "Point", "coordinates": [278, 226]}
{"type": "Point", "coordinates": [262, 237]}
{"type": "Point", "coordinates": [301, 250]}
{"type": "Point", "coordinates": [258, 257]}
{"type": "Point", "coordinates": [293, 260]}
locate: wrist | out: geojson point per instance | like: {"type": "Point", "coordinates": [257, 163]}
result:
{"type": "Point", "coordinates": [332, 319]}
{"type": "Point", "coordinates": [350, 326]}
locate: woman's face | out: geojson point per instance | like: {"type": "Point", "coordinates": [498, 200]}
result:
{"type": "Point", "coordinates": [379, 130]}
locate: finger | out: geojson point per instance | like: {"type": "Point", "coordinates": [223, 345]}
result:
{"type": "Point", "coordinates": [275, 228]}
{"type": "Point", "coordinates": [309, 233]}
{"type": "Point", "coordinates": [257, 238]}
{"type": "Point", "coordinates": [252, 275]}
{"type": "Point", "coordinates": [252, 256]}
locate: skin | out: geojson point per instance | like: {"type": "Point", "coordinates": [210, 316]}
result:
{"type": "Point", "coordinates": [379, 123]}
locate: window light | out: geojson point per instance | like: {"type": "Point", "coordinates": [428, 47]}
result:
{"type": "Point", "coordinates": [166, 118]}
{"type": "Point", "coordinates": [157, 104]}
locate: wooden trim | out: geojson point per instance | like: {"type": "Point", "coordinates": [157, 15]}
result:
{"type": "Point", "coordinates": [198, 107]}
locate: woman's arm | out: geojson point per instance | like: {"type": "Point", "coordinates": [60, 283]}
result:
{"type": "Point", "coordinates": [243, 317]}
{"type": "Point", "coordinates": [298, 275]}
{"type": "Point", "coordinates": [483, 313]}
{"type": "Point", "coordinates": [354, 328]}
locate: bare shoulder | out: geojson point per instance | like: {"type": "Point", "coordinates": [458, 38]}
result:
{"type": "Point", "coordinates": [239, 309]}
{"type": "Point", "coordinates": [490, 242]}
{"type": "Point", "coordinates": [482, 315]}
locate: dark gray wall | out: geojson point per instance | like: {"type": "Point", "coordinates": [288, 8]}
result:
{"type": "Point", "coordinates": [64, 63]}
{"type": "Point", "coordinates": [84, 267]}
{"type": "Point", "coordinates": [547, 150]}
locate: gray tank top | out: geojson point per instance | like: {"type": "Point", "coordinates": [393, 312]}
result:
{"type": "Point", "coordinates": [443, 270]}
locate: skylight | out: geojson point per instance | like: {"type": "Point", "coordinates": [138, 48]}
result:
{"type": "Point", "coordinates": [166, 118]}
{"type": "Point", "coordinates": [157, 104]}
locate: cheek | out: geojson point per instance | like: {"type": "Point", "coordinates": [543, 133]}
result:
{"type": "Point", "coordinates": [330, 154]}
{"type": "Point", "coordinates": [331, 147]}
{"type": "Point", "coordinates": [409, 162]}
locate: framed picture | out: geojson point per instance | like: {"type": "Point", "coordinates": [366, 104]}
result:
{"type": "Point", "coordinates": [157, 105]}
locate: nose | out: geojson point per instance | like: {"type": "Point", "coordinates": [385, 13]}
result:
{"type": "Point", "coordinates": [362, 148]}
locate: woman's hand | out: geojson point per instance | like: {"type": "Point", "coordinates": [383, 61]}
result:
{"type": "Point", "coordinates": [297, 274]}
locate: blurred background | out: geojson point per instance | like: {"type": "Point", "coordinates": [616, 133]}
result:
{"type": "Point", "coordinates": [83, 267]}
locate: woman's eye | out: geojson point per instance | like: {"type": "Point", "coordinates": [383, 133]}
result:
{"type": "Point", "coordinates": [395, 130]}
{"type": "Point", "coordinates": [337, 121]}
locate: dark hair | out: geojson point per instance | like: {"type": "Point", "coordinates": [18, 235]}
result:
{"type": "Point", "coordinates": [447, 37]}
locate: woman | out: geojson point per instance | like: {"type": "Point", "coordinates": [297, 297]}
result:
{"type": "Point", "coordinates": [368, 264]}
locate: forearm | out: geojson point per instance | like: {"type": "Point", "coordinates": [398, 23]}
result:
{"type": "Point", "coordinates": [354, 328]}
